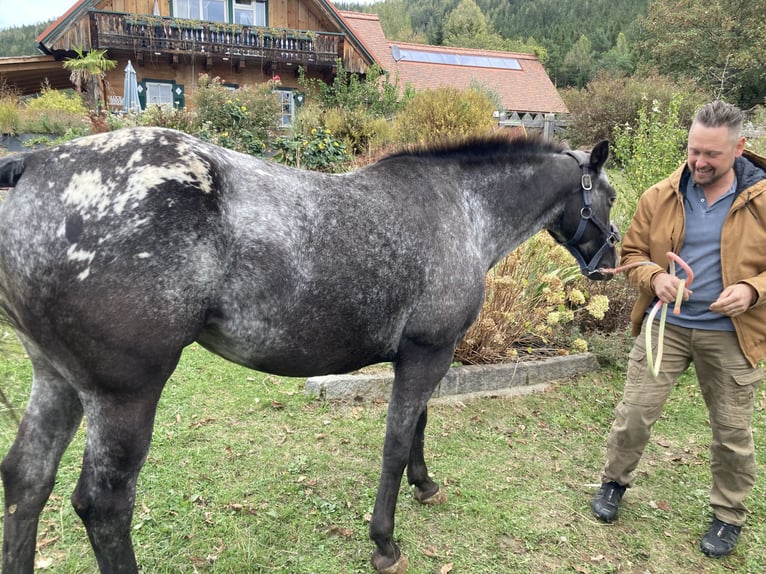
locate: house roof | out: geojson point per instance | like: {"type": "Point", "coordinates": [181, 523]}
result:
{"type": "Point", "coordinates": [526, 90]}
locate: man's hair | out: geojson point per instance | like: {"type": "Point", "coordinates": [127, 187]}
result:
{"type": "Point", "coordinates": [718, 113]}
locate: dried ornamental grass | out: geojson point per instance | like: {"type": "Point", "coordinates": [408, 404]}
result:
{"type": "Point", "coordinates": [534, 300]}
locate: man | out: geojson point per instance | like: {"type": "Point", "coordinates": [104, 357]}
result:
{"type": "Point", "coordinates": [712, 212]}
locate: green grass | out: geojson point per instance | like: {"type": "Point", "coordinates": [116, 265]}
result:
{"type": "Point", "coordinates": [248, 475]}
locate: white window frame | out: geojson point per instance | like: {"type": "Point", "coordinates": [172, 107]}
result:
{"type": "Point", "coordinates": [159, 93]}
{"type": "Point", "coordinates": [256, 9]}
{"type": "Point", "coordinates": [198, 9]}
{"type": "Point", "coordinates": [286, 108]}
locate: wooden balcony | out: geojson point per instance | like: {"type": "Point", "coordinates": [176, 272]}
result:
{"type": "Point", "coordinates": [152, 34]}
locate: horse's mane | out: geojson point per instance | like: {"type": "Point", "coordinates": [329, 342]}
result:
{"type": "Point", "coordinates": [481, 148]}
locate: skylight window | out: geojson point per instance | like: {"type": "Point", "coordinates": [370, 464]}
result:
{"type": "Point", "coordinates": [453, 59]}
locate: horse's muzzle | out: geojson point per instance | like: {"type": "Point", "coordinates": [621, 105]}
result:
{"type": "Point", "coordinates": [598, 275]}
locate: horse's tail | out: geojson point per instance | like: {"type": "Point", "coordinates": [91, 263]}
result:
{"type": "Point", "coordinates": [11, 168]}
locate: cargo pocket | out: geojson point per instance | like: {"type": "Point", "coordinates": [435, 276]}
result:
{"type": "Point", "coordinates": [740, 403]}
{"type": "Point", "coordinates": [636, 375]}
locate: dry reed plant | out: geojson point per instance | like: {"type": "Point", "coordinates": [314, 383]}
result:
{"type": "Point", "coordinates": [535, 301]}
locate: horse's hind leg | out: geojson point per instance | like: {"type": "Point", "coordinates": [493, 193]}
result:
{"type": "Point", "coordinates": [426, 490]}
{"type": "Point", "coordinates": [119, 430]}
{"type": "Point", "coordinates": [417, 372]}
{"type": "Point", "coordinates": [29, 469]}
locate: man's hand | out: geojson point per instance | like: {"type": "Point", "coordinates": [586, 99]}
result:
{"type": "Point", "coordinates": [666, 287]}
{"type": "Point", "coordinates": [734, 300]}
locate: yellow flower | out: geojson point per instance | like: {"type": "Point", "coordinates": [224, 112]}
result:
{"type": "Point", "coordinates": [580, 346]}
{"type": "Point", "coordinates": [576, 296]}
{"type": "Point", "coordinates": [598, 306]}
{"type": "Point", "coordinates": [335, 144]}
{"type": "Point", "coordinates": [313, 131]}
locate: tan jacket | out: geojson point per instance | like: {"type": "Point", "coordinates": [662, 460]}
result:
{"type": "Point", "coordinates": [658, 227]}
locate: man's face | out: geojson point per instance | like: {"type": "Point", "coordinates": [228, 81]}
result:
{"type": "Point", "coordinates": [711, 153]}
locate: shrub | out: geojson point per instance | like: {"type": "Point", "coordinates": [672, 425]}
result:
{"type": "Point", "coordinates": [241, 119]}
{"type": "Point", "coordinates": [361, 130]}
{"type": "Point", "coordinates": [609, 101]}
{"type": "Point", "coordinates": [651, 150]}
{"type": "Point", "coordinates": [444, 112]}
{"type": "Point", "coordinates": [9, 115]}
{"type": "Point", "coordinates": [55, 112]}
{"type": "Point", "coordinates": [536, 301]}
{"type": "Point", "coordinates": [320, 151]}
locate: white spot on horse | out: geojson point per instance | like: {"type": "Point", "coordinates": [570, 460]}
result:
{"type": "Point", "coordinates": [135, 158]}
{"type": "Point", "coordinates": [87, 191]}
{"type": "Point", "coordinates": [77, 255]}
{"type": "Point", "coordinates": [80, 255]}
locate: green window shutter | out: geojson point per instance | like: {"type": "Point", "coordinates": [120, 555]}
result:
{"type": "Point", "coordinates": [142, 93]}
{"type": "Point", "coordinates": [179, 97]}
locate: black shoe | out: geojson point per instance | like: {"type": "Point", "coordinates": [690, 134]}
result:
{"type": "Point", "coordinates": [607, 501]}
{"type": "Point", "coordinates": [720, 538]}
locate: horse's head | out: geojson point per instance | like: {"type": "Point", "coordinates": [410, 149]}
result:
{"type": "Point", "coordinates": [584, 227]}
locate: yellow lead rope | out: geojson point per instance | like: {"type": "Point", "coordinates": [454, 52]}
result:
{"type": "Point", "coordinates": [654, 365]}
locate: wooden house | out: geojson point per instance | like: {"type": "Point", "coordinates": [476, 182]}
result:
{"type": "Point", "coordinates": [171, 42]}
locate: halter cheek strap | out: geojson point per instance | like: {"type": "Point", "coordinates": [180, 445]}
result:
{"type": "Point", "coordinates": [611, 233]}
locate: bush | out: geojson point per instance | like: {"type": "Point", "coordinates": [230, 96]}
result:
{"type": "Point", "coordinates": [9, 115]}
{"type": "Point", "coordinates": [361, 131]}
{"type": "Point", "coordinates": [242, 119]}
{"type": "Point", "coordinates": [320, 151]}
{"type": "Point", "coordinates": [444, 113]}
{"type": "Point", "coordinates": [55, 112]}
{"type": "Point", "coordinates": [651, 150]}
{"type": "Point", "coordinates": [536, 304]}
{"type": "Point", "coordinates": [609, 101]}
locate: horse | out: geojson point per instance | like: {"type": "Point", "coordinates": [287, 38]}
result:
{"type": "Point", "coordinates": [118, 250]}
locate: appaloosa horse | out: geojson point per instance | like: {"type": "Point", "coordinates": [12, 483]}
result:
{"type": "Point", "coordinates": [118, 250]}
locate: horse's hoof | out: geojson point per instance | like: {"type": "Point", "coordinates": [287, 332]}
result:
{"type": "Point", "coordinates": [398, 567]}
{"type": "Point", "coordinates": [437, 497]}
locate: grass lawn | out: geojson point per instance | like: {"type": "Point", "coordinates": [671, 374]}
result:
{"type": "Point", "coordinates": [248, 475]}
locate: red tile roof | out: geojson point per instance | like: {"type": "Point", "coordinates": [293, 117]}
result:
{"type": "Point", "coordinates": [526, 90]}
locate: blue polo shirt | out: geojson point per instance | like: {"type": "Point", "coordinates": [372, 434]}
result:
{"type": "Point", "coordinates": [702, 251]}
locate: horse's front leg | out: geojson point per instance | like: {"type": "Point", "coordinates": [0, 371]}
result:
{"type": "Point", "coordinates": [416, 373]}
{"type": "Point", "coordinates": [426, 490]}
{"type": "Point", "coordinates": [119, 434]}
{"type": "Point", "coordinates": [29, 469]}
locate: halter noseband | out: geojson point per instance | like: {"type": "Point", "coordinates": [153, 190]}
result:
{"type": "Point", "coordinates": [610, 232]}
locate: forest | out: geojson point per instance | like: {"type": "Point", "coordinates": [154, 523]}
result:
{"type": "Point", "coordinates": [718, 45]}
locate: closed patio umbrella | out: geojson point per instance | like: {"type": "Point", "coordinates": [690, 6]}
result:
{"type": "Point", "coordinates": [130, 102]}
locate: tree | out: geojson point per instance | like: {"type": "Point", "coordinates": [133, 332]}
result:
{"type": "Point", "coordinates": [578, 63]}
{"type": "Point", "coordinates": [464, 22]}
{"type": "Point", "coordinates": [719, 43]}
{"type": "Point", "coordinates": [396, 22]}
{"type": "Point", "coordinates": [619, 58]}
{"type": "Point", "coordinates": [88, 74]}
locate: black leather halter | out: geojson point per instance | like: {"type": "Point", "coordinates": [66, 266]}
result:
{"type": "Point", "coordinates": [610, 232]}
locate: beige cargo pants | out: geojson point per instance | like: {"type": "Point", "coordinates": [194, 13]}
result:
{"type": "Point", "coordinates": [728, 384]}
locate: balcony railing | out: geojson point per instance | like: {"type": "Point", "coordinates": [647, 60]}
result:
{"type": "Point", "coordinates": [139, 33]}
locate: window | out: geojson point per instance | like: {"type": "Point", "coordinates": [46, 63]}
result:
{"type": "Point", "coordinates": [161, 93]}
{"type": "Point", "coordinates": [250, 12]}
{"type": "Point", "coordinates": [209, 10]}
{"type": "Point", "coordinates": [287, 108]}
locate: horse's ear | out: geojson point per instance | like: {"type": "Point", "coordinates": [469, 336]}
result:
{"type": "Point", "coordinates": [598, 155]}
